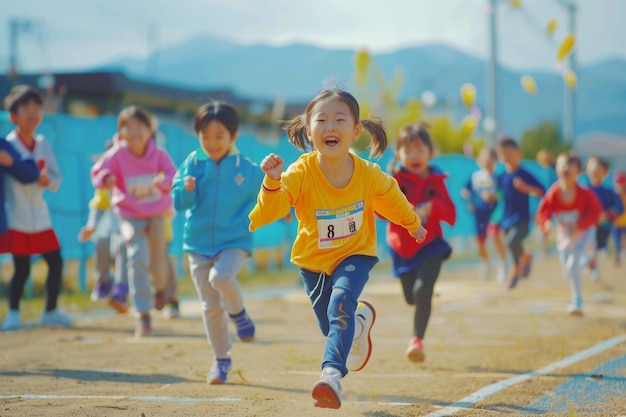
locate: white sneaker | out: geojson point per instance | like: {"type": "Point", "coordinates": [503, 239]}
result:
{"type": "Point", "coordinates": [501, 273]}
{"type": "Point", "coordinates": [56, 318]}
{"type": "Point", "coordinates": [575, 308]}
{"type": "Point", "coordinates": [327, 390]}
{"type": "Point", "coordinates": [484, 271]}
{"type": "Point", "coordinates": [12, 320]}
{"type": "Point", "coordinates": [595, 274]}
{"type": "Point", "coordinates": [361, 349]}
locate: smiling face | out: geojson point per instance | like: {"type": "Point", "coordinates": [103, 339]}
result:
{"type": "Point", "coordinates": [415, 156]}
{"type": "Point", "coordinates": [596, 172]}
{"type": "Point", "coordinates": [216, 140]}
{"type": "Point", "coordinates": [27, 118]}
{"type": "Point", "coordinates": [136, 135]}
{"type": "Point", "coordinates": [332, 128]}
{"type": "Point", "coordinates": [567, 169]}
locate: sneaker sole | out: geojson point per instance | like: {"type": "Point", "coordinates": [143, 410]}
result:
{"type": "Point", "coordinates": [415, 355]}
{"type": "Point", "coordinates": [216, 381]}
{"type": "Point", "coordinates": [119, 307]}
{"type": "Point", "coordinates": [576, 313]}
{"type": "Point", "coordinates": [369, 339]}
{"type": "Point", "coordinates": [325, 396]}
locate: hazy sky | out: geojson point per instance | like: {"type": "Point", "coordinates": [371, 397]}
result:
{"type": "Point", "coordinates": [74, 34]}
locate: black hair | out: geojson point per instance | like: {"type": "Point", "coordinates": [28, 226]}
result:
{"type": "Point", "coordinates": [296, 128]}
{"type": "Point", "coordinates": [216, 110]}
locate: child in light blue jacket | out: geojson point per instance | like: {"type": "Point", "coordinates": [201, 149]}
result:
{"type": "Point", "coordinates": [217, 187]}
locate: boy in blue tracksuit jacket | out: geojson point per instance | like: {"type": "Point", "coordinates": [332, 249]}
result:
{"type": "Point", "coordinates": [217, 188]}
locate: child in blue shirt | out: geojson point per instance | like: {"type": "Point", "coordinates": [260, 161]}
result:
{"type": "Point", "coordinates": [516, 185]}
{"type": "Point", "coordinates": [597, 171]}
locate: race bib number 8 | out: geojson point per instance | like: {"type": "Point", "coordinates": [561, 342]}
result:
{"type": "Point", "coordinates": [336, 226]}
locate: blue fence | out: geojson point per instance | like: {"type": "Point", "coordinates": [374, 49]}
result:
{"type": "Point", "coordinates": [78, 141]}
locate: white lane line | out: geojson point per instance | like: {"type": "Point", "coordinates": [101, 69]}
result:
{"type": "Point", "coordinates": [117, 397]}
{"type": "Point", "coordinates": [478, 396]}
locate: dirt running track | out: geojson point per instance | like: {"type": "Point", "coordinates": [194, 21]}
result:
{"type": "Point", "coordinates": [479, 334]}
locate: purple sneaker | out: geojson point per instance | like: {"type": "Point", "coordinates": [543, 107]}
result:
{"type": "Point", "coordinates": [219, 371]}
{"type": "Point", "coordinates": [101, 290]}
{"type": "Point", "coordinates": [245, 326]}
{"type": "Point", "coordinates": [118, 298]}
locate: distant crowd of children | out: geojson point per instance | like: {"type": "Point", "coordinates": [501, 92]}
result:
{"type": "Point", "coordinates": [336, 197]}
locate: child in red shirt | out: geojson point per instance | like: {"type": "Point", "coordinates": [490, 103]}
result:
{"type": "Point", "coordinates": [418, 264]}
{"type": "Point", "coordinates": [576, 211]}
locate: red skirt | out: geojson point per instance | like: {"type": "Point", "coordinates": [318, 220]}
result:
{"type": "Point", "coordinates": [4, 242]}
{"type": "Point", "coordinates": [23, 244]}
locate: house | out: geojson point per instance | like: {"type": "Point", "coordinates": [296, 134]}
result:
{"type": "Point", "coordinates": [106, 93]}
{"type": "Point", "coordinates": [606, 145]}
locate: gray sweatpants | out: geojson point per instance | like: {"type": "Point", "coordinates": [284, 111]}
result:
{"type": "Point", "coordinates": [145, 247]}
{"type": "Point", "coordinates": [218, 289]}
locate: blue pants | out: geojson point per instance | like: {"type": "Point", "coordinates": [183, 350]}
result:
{"type": "Point", "coordinates": [334, 298]}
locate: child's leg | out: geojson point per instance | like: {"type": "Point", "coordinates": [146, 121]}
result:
{"type": "Point", "coordinates": [223, 278]}
{"type": "Point", "coordinates": [422, 292]}
{"type": "Point", "coordinates": [55, 276]}
{"type": "Point", "coordinates": [618, 234]}
{"type": "Point", "coordinates": [499, 243]}
{"type": "Point", "coordinates": [121, 260]}
{"type": "Point", "coordinates": [157, 244]}
{"type": "Point", "coordinates": [573, 270]}
{"type": "Point", "coordinates": [138, 256]}
{"type": "Point", "coordinates": [102, 259]}
{"type": "Point", "coordinates": [21, 266]}
{"type": "Point", "coordinates": [172, 280]}
{"type": "Point", "coordinates": [347, 283]}
{"type": "Point", "coordinates": [213, 316]}
{"type": "Point", "coordinates": [515, 239]}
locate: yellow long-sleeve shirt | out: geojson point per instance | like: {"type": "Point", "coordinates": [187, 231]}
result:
{"type": "Point", "coordinates": [333, 223]}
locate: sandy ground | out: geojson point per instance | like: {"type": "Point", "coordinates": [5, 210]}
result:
{"type": "Point", "coordinates": [478, 334]}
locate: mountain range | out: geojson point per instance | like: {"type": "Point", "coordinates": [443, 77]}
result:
{"type": "Point", "coordinates": [296, 72]}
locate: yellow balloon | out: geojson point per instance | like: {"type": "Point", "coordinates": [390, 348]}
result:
{"type": "Point", "coordinates": [516, 3]}
{"type": "Point", "coordinates": [570, 78]}
{"type": "Point", "coordinates": [468, 95]}
{"type": "Point", "coordinates": [566, 46]}
{"type": "Point", "coordinates": [528, 84]}
{"type": "Point", "coordinates": [468, 125]}
{"type": "Point", "coordinates": [552, 24]}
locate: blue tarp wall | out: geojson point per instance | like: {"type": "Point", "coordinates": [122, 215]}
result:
{"type": "Point", "coordinates": [78, 141]}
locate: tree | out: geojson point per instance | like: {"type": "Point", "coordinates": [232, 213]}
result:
{"type": "Point", "coordinates": [545, 136]}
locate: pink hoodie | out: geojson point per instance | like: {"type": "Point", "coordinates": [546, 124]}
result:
{"type": "Point", "coordinates": [134, 194]}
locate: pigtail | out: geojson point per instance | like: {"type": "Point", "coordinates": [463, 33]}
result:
{"type": "Point", "coordinates": [379, 136]}
{"type": "Point", "coordinates": [296, 132]}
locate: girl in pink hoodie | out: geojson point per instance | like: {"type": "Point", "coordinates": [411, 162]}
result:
{"type": "Point", "coordinates": [140, 175]}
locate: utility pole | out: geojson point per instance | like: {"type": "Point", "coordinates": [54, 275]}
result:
{"type": "Point", "coordinates": [15, 27]}
{"type": "Point", "coordinates": [569, 97]}
{"type": "Point", "coordinates": [492, 121]}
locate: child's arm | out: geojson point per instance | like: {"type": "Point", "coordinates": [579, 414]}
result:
{"type": "Point", "coordinates": [24, 170]}
{"type": "Point", "coordinates": [103, 171]}
{"type": "Point", "coordinates": [277, 194]}
{"type": "Point", "coordinates": [184, 186]}
{"type": "Point", "coordinates": [391, 204]}
{"type": "Point", "coordinates": [590, 211]}
{"type": "Point", "coordinates": [168, 170]}
{"type": "Point", "coordinates": [616, 208]}
{"type": "Point", "coordinates": [442, 206]}
{"type": "Point", "coordinates": [528, 184]}
{"type": "Point", "coordinates": [52, 169]}
{"type": "Point", "coordinates": [543, 217]}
